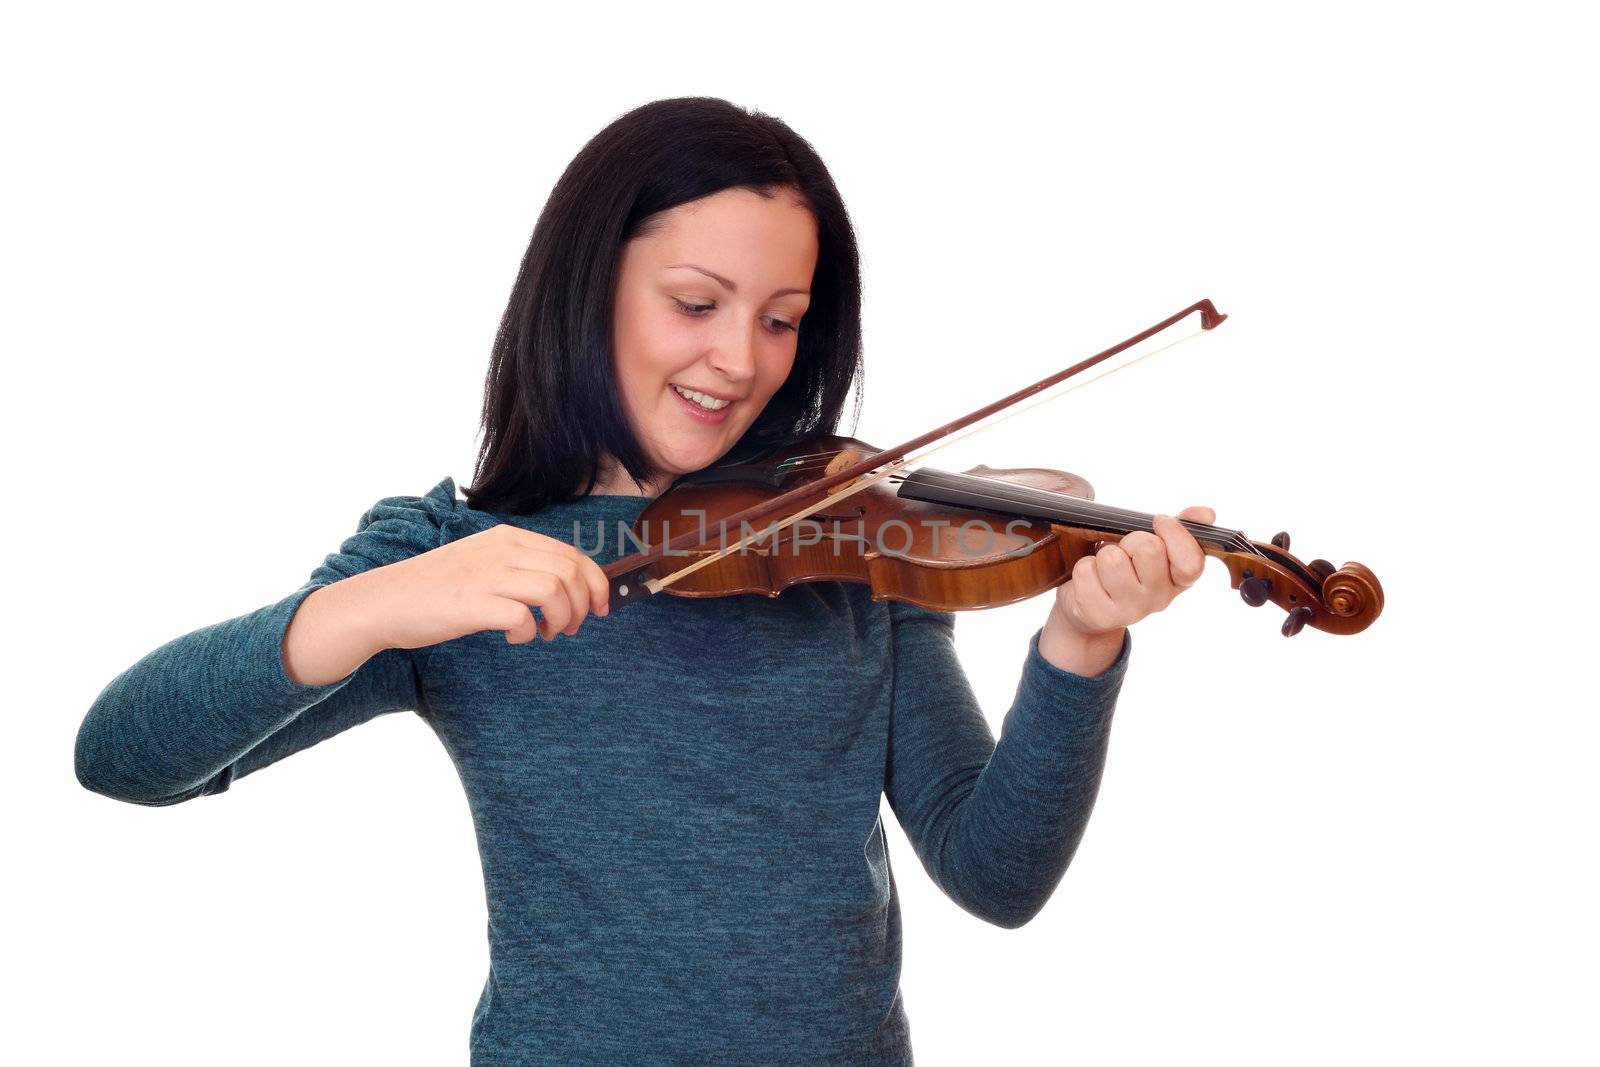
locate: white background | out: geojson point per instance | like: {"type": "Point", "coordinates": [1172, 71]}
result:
{"type": "Point", "coordinates": [253, 262]}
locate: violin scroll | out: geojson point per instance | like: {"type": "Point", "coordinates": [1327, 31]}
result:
{"type": "Point", "coordinates": [1353, 593]}
{"type": "Point", "coordinates": [1343, 600]}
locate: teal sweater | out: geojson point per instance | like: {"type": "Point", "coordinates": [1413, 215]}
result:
{"type": "Point", "coordinates": [677, 810]}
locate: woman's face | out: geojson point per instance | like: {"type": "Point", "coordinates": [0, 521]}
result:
{"type": "Point", "coordinates": [709, 304]}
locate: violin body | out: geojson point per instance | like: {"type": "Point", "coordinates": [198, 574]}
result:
{"type": "Point", "coordinates": [948, 542]}
{"type": "Point", "coordinates": [905, 549]}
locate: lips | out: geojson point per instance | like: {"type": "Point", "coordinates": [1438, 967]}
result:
{"type": "Point", "coordinates": [712, 393]}
{"type": "Point", "coordinates": [695, 411]}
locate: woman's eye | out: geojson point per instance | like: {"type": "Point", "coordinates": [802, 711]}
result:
{"type": "Point", "coordinates": [775, 325]}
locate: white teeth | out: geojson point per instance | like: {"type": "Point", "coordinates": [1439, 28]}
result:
{"type": "Point", "coordinates": [710, 403]}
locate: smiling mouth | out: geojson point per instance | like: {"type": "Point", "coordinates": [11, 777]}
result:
{"type": "Point", "coordinates": [701, 400]}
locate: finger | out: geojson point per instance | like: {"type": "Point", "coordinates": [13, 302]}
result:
{"type": "Point", "coordinates": [599, 585]}
{"type": "Point", "coordinates": [577, 587]}
{"type": "Point", "coordinates": [1148, 553]}
{"type": "Point", "coordinates": [530, 547]}
{"type": "Point", "coordinates": [566, 568]}
{"type": "Point", "coordinates": [520, 625]}
{"type": "Point", "coordinates": [1199, 514]}
{"type": "Point", "coordinates": [545, 591]}
{"type": "Point", "coordinates": [1094, 608]}
{"type": "Point", "coordinates": [1117, 577]}
{"type": "Point", "coordinates": [1186, 560]}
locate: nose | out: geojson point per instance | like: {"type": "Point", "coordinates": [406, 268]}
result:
{"type": "Point", "coordinates": [733, 353]}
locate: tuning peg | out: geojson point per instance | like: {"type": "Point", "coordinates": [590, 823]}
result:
{"type": "Point", "coordinates": [1281, 540]}
{"type": "Point", "coordinates": [1255, 591]}
{"type": "Point", "coordinates": [1321, 568]}
{"type": "Point", "coordinates": [1296, 620]}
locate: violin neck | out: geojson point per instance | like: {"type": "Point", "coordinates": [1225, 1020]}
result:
{"type": "Point", "coordinates": [1010, 498]}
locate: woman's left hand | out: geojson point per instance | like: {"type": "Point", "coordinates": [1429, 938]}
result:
{"type": "Point", "coordinates": [1116, 587]}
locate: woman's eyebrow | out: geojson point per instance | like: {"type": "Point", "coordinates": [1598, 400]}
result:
{"type": "Point", "coordinates": [726, 284]}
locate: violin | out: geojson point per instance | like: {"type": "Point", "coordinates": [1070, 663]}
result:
{"type": "Point", "coordinates": [942, 540]}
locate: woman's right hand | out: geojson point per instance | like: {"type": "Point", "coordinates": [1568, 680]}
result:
{"type": "Point", "coordinates": [489, 580]}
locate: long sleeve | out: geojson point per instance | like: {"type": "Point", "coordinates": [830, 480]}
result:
{"type": "Point", "coordinates": [994, 825]}
{"type": "Point", "coordinates": [211, 706]}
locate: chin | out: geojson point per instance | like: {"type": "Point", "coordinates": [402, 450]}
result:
{"type": "Point", "coordinates": [687, 461]}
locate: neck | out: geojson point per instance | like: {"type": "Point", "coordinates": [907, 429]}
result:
{"type": "Point", "coordinates": [614, 481]}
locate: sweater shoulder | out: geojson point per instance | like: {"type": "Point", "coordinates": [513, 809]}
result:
{"type": "Point", "coordinates": [398, 527]}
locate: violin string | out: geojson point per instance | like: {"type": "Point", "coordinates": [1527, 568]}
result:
{"type": "Point", "coordinates": [1219, 535]}
{"type": "Point", "coordinates": [1073, 507]}
{"type": "Point", "coordinates": [1066, 507]}
{"type": "Point", "coordinates": [1017, 493]}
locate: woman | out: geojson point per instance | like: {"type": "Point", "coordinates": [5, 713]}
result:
{"type": "Point", "coordinates": [677, 811]}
